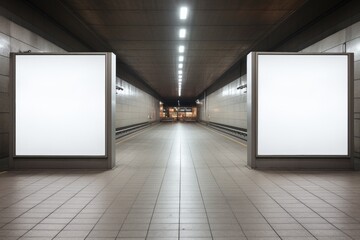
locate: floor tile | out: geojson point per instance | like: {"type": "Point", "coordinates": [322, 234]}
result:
{"type": "Point", "coordinates": [179, 181]}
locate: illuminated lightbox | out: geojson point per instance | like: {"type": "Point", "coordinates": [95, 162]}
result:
{"type": "Point", "coordinates": [60, 107]}
{"type": "Point", "coordinates": [299, 105]}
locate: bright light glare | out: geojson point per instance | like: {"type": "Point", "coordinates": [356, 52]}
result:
{"type": "Point", "coordinates": [183, 13]}
{"type": "Point", "coordinates": [325, 78]}
{"type": "Point", "coordinates": [181, 48]}
{"type": "Point", "coordinates": [180, 71]}
{"type": "Point", "coordinates": [181, 58]}
{"type": "Point", "coordinates": [181, 65]}
{"type": "Point", "coordinates": [67, 114]}
{"type": "Point", "coordinates": [182, 33]}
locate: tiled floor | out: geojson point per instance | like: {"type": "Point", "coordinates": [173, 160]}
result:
{"type": "Point", "coordinates": [179, 181]}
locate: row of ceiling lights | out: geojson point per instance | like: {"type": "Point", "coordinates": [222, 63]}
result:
{"type": "Point", "coordinates": [182, 34]}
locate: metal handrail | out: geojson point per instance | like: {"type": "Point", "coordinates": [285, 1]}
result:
{"type": "Point", "coordinates": [121, 132]}
{"type": "Point", "coordinates": [227, 129]}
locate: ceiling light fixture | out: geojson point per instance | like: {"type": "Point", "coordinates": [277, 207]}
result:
{"type": "Point", "coordinates": [181, 58]}
{"type": "Point", "coordinates": [180, 72]}
{"type": "Point", "coordinates": [181, 48]}
{"type": "Point", "coordinates": [181, 65]}
{"type": "Point", "coordinates": [182, 33]}
{"type": "Point", "coordinates": [183, 13]}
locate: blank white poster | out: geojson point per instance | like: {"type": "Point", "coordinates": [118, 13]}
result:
{"type": "Point", "coordinates": [60, 105]}
{"type": "Point", "coordinates": [302, 105]}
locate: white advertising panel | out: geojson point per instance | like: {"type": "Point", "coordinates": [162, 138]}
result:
{"type": "Point", "coordinates": [302, 105]}
{"type": "Point", "coordinates": [60, 105]}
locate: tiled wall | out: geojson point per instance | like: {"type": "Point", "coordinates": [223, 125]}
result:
{"type": "Point", "coordinates": [346, 40]}
{"type": "Point", "coordinates": [135, 106]}
{"type": "Point", "coordinates": [14, 38]}
{"type": "Point", "coordinates": [230, 109]}
{"type": "Point", "coordinates": [226, 106]}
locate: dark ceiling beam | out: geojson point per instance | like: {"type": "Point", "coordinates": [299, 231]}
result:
{"type": "Point", "coordinates": [61, 13]}
{"type": "Point", "coordinates": [43, 17]}
{"type": "Point", "coordinates": [330, 15]}
{"type": "Point", "coordinates": [22, 13]}
{"type": "Point", "coordinates": [345, 14]}
{"type": "Point", "coordinates": [314, 21]}
{"type": "Point", "coordinates": [57, 11]}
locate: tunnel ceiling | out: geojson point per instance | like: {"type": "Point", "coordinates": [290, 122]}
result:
{"type": "Point", "coordinates": [145, 35]}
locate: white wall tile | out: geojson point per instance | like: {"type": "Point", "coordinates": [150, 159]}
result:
{"type": "Point", "coordinates": [19, 46]}
{"type": "Point", "coordinates": [353, 46]}
{"type": "Point", "coordinates": [5, 120]}
{"type": "Point", "coordinates": [134, 106]}
{"type": "Point", "coordinates": [4, 45]}
{"type": "Point", "coordinates": [337, 49]}
{"type": "Point", "coordinates": [4, 65]}
{"type": "Point", "coordinates": [4, 84]}
{"type": "Point", "coordinates": [357, 89]}
{"type": "Point", "coordinates": [224, 106]}
{"type": "Point", "coordinates": [4, 104]}
{"type": "Point", "coordinates": [357, 70]}
{"type": "Point", "coordinates": [4, 25]}
{"type": "Point", "coordinates": [352, 31]}
{"type": "Point", "coordinates": [352, 43]}
{"type": "Point", "coordinates": [4, 147]}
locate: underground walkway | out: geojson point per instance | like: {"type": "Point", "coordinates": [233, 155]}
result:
{"type": "Point", "coordinates": [179, 181]}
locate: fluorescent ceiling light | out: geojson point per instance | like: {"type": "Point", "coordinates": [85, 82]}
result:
{"type": "Point", "coordinates": [180, 71]}
{"type": "Point", "coordinates": [183, 13]}
{"type": "Point", "coordinates": [182, 33]}
{"type": "Point", "coordinates": [181, 48]}
{"type": "Point", "coordinates": [181, 65]}
{"type": "Point", "coordinates": [181, 58]}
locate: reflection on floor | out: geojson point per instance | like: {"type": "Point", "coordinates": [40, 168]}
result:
{"type": "Point", "coordinates": [179, 181]}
